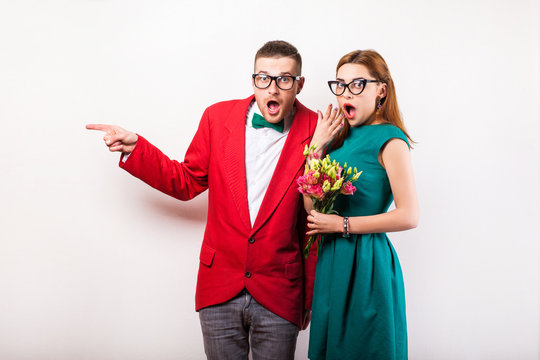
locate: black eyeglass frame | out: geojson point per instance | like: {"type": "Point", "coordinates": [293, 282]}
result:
{"type": "Point", "coordinates": [363, 81]}
{"type": "Point", "coordinates": [275, 79]}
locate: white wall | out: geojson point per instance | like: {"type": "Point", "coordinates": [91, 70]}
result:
{"type": "Point", "coordinates": [96, 265]}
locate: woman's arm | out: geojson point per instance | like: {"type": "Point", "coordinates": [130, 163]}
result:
{"type": "Point", "coordinates": [396, 159]}
{"type": "Point", "coordinates": [308, 203]}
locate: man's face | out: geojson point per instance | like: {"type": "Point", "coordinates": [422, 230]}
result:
{"type": "Point", "coordinates": [274, 102]}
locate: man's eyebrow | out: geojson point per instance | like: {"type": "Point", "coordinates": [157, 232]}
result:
{"type": "Point", "coordinates": [280, 74]}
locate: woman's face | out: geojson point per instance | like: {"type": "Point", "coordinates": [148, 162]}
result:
{"type": "Point", "coordinates": [358, 108]}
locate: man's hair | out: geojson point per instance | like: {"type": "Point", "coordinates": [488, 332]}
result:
{"type": "Point", "coordinates": [280, 48]}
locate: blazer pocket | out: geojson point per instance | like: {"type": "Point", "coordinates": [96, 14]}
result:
{"type": "Point", "coordinates": [207, 255]}
{"type": "Point", "coordinates": [294, 270]}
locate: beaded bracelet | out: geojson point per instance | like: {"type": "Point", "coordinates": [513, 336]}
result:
{"type": "Point", "coordinates": [346, 227]}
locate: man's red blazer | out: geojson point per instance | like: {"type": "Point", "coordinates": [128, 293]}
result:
{"type": "Point", "coordinates": [266, 259]}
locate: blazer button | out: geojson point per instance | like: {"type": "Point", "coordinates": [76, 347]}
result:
{"type": "Point", "coordinates": [251, 240]}
{"type": "Point", "coordinates": [247, 274]}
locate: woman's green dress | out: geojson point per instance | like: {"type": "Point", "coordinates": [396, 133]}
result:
{"type": "Point", "coordinates": [359, 300]}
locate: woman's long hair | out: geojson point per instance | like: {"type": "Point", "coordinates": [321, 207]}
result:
{"type": "Point", "coordinates": [389, 111]}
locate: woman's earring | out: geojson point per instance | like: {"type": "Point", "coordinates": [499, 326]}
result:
{"type": "Point", "coordinates": [379, 104]}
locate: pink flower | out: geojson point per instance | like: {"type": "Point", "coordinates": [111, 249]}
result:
{"type": "Point", "coordinates": [312, 177]}
{"type": "Point", "coordinates": [309, 185]}
{"type": "Point", "coordinates": [302, 180]}
{"type": "Point", "coordinates": [340, 170]}
{"type": "Point", "coordinates": [311, 190]}
{"type": "Point", "coordinates": [316, 191]}
{"type": "Point", "coordinates": [348, 188]}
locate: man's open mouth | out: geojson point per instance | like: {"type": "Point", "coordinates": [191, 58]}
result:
{"type": "Point", "coordinates": [273, 107]}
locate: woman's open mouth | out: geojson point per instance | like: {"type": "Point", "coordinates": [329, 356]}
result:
{"type": "Point", "coordinates": [349, 110]}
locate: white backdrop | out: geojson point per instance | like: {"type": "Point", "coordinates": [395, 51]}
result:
{"type": "Point", "coordinates": [95, 265]}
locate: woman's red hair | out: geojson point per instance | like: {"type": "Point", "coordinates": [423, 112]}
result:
{"type": "Point", "coordinates": [389, 111]}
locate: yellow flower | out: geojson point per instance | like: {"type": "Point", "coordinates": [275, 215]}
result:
{"type": "Point", "coordinates": [326, 186]}
{"type": "Point", "coordinates": [314, 165]}
{"type": "Point", "coordinates": [337, 185]}
{"type": "Point", "coordinates": [326, 162]}
{"type": "Point", "coordinates": [356, 176]}
{"type": "Point", "coordinates": [332, 173]}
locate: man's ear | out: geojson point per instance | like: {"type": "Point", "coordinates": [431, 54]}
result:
{"type": "Point", "coordinates": [300, 85]}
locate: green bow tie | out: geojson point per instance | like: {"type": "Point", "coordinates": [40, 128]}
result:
{"type": "Point", "coordinates": [258, 122]}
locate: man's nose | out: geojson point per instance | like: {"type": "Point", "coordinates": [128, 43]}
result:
{"type": "Point", "coordinates": [273, 88]}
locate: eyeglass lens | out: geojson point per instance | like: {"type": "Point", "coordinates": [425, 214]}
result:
{"type": "Point", "coordinates": [263, 81]}
{"type": "Point", "coordinates": [355, 87]}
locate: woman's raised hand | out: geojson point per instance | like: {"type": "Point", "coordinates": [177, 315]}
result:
{"type": "Point", "coordinates": [328, 125]}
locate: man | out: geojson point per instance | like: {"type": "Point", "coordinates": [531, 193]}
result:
{"type": "Point", "coordinates": [253, 285]}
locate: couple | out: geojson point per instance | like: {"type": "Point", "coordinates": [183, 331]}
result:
{"type": "Point", "coordinates": [254, 288]}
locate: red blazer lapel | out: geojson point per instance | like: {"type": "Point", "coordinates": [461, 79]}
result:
{"type": "Point", "coordinates": [234, 148]}
{"type": "Point", "coordinates": [290, 161]}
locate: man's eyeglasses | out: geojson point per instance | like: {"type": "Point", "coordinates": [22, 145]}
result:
{"type": "Point", "coordinates": [262, 81]}
{"type": "Point", "coordinates": [355, 87]}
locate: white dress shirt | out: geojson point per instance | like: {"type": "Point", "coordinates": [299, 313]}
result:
{"type": "Point", "coordinates": [263, 148]}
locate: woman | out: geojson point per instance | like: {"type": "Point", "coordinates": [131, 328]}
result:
{"type": "Point", "coordinates": [359, 299]}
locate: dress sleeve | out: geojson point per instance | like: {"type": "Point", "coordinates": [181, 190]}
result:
{"type": "Point", "coordinates": [388, 133]}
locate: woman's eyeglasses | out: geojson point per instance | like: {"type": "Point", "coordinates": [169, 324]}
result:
{"type": "Point", "coordinates": [355, 87]}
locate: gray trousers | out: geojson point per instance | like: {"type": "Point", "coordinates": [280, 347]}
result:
{"type": "Point", "coordinates": [230, 328]}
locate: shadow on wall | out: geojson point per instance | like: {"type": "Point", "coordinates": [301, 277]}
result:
{"type": "Point", "coordinates": [194, 210]}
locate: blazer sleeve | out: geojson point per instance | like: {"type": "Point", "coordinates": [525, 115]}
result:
{"type": "Point", "coordinates": [182, 180]}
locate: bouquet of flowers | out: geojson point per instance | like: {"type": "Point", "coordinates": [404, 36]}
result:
{"type": "Point", "coordinates": [323, 180]}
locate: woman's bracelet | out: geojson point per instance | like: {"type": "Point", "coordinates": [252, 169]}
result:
{"type": "Point", "coordinates": [346, 227]}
